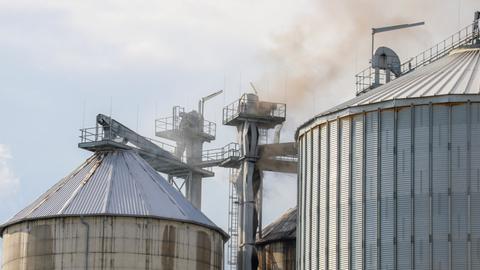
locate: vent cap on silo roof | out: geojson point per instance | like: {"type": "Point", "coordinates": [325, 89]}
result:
{"type": "Point", "coordinates": [114, 183]}
{"type": "Point", "coordinates": [453, 78]}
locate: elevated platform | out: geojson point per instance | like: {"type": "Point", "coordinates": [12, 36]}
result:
{"type": "Point", "coordinates": [250, 108]}
{"type": "Point", "coordinates": [161, 159]}
{"type": "Point", "coordinates": [227, 157]}
{"type": "Point", "coordinates": [182, 124]}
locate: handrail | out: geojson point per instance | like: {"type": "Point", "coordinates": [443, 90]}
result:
{"type": "Point", "coordinates": [98, 134]}
{"type": "Point", "coordinates": [364, 80]}
{"type": "Point", "coordinates": [172, 123]}
{"type": "Point", "coordinates": [244, 105]}
{"type": "Point", "coordinates": [218, 154]}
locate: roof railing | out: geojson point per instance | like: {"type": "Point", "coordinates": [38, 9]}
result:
{"type": "Point", "coordinates": [172, 123]}
{"type": "Point", "coordinates": [253, 108]}
{"type": "Point", "coordinates": [100, 134]}
{"type": "Point", "coordinates": [365, 81]}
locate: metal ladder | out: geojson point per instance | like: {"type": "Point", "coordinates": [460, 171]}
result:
{"type": "Point", "coordinates": [232, 221]}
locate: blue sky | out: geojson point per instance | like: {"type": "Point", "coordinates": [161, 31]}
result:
{"type": "Point", "coordinates": [63, 62]}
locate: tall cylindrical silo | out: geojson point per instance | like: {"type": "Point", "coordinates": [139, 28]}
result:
{"type": "Point", "coordinates": [391, 178]}
{"type": "Point", "coordinates": [113, 212]}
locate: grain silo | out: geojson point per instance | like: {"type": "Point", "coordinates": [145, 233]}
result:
{"type": "Point", "coordinates": [276, 247]}
{"type": "Point", "coordinates": [391, 178]}
{"type": "Point", "coordinates": [113, 212]}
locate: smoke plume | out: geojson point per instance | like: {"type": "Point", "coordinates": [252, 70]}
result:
{"type": "Point", "coordinates": [314, 61]}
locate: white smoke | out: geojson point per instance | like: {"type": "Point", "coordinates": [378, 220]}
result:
{"type": "Point", "coordinates": [9, 183]}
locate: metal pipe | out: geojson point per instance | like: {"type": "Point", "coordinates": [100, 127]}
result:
{"type": "Point", "coordinates": [87, 240]}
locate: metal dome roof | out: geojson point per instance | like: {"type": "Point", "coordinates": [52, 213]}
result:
{"type": "Point", "coordinates": [114, 183]}
{"type": "Point", "coordinates": [455, 77]}
{"type": "Point", "coordinates": [284, 228]}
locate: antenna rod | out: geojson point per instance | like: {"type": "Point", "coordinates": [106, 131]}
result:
{"type": "Point", "coordinates": [254, 89]}
{"type": "Point", "coordinates": [390, 28]}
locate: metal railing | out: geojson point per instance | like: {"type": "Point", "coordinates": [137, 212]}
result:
{"type": "Point", "coordinates": [209, 128]}
{"type": "Point", "coordinates": [253, 108]}
{"type": "Point", "coordinates": [228, 151]}
{"type": "Point", "coordinates": [365, 79]}
{"type": "Point", "coordinates": [172, 123]}
{"type": "Point", "coordinates": [99, 134]}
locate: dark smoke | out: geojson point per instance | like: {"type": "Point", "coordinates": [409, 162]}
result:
{"type": "Point", "coordinates": [315, 60]}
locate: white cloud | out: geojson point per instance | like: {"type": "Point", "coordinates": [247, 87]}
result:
{"type": "Point", "coordinates": [9, 183]}
{"type": "Point", "coordinates": [115, 34]}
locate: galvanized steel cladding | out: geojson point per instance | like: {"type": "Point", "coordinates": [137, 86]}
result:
{"type": "Point", "coordinates": [395, 188]}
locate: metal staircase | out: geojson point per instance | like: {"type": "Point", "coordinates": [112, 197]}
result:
{"type": "Point", "coordinates": [232, 220]}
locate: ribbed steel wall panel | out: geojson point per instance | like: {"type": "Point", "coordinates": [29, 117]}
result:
{"type": "Point", "coordinates": [332, 195]}
{"type": "Point", "coordinates": [344, 195]}
{"type": "Point", "coordinates": [386, 188]}
{"type": "Point", "coordinates": [357, 192]}
{"type": "Point", "coordinates": [371, 166]}
{"type": "Point", "coordinates": [422, 187]}
{"type": "Point", "coordinates": [308, 198]}
{"type": "Point", "coordinates": [459, 187]}
{"type": "Point", "coordinates": [315, 196]}
{"type": "Point", "coordinates": [323, 204]}
{"type": "Point", "coordinates": [475, 185]}
{"type": "Point", "coordinates": [397, 189]}
{"type": "Point", "coordinates": [301, 211]}
{"type": "Point", "coordinates": [440, 186]}
{"type": "Point", "coordinates": [404, 189]}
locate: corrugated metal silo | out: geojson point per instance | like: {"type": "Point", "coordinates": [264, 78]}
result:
{"type": "Point", "coordinates": [397, 173]}
{"type": "Point", "coordinates": [113, 212]}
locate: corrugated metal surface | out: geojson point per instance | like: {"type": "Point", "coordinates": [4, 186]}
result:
{"type": "Point", "coordinates": [421, 187]}
{"type": "Point", "coordinates": [371, 193]}
{"type": "Point", "coordinates": [457, 74]}
{"type": "Point", "coordinates": [404, 188]}
{"type": "Point", "coordinates": [333, 195]}
{"type": "Point", "coordinates": [440, 185]}
{"type": "Point", "coordinates": [459, 187]}
{"type": "Point", "coordinates": [344, 195]}
{"type": "Point", "coordinates": [357, 182]}
{"type": "Point", "coordinates": [475, 185]}
{"type": "Point", "coordinates": [283, 228]}
{"type": "Point", "coordinates": [308, 194]}
{"type": "Point", "coordinates": [315, 196]}
{"type": "Point", "coordinates": [386, 189]}
{"type": "Point", "coordinates": [410, 171]}
{"type": "Point", "coordinates": [323, 204]}
{"type": "Point", "coordinates": [118, 183]}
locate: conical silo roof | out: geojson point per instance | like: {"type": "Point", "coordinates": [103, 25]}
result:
{"type": "Point", "coordinates": [282, 229]}
{"type": "Point", "coordinates": [452, 78]}
{"type": "Point", "coordinates": [114, 183]}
